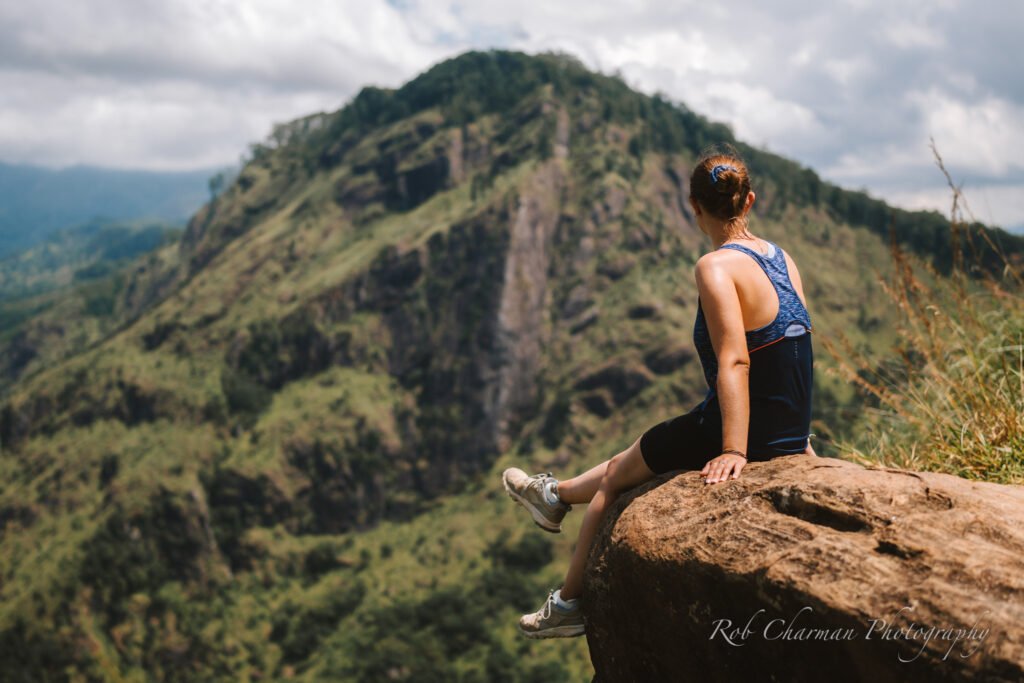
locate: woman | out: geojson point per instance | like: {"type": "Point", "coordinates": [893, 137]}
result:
{"type": "Point", "coordinates": [752, 337]}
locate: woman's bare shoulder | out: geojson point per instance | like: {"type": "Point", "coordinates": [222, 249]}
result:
{"type": "Point", "coordinates": [713, 262]}
{"type": "Point", "coordinates": [722, 256]}
{"type": "Point", "coordinates": [726, 259]}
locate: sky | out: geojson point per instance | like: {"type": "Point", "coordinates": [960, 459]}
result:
{"type": "Point", "coordinates": [852, 88]}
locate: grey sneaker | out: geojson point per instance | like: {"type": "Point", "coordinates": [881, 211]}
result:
{"type": "Point", "coordinates": [551, 621]}
{"type": "Point", "coordinates": [529, 491]}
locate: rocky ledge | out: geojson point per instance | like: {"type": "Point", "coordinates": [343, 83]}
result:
{"type": "Point", "coordinates": [807, 569]}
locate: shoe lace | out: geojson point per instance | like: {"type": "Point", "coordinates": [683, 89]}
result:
{"type": "Point", "coordinates": [539, 480]}
{"type": "Point", "coordinates": [545, 611]}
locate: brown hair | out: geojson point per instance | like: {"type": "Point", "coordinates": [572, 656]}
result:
{"type": "Point", "coordinates": [720, 183]}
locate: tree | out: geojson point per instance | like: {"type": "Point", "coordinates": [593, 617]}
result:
{"type": "Point", "coordinates": [216, 185]}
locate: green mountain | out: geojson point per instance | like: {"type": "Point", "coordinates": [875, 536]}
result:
{"type": "Point", "coordinates": [36, 201]}
{"type": "Point", "coordinates": [283, 463]}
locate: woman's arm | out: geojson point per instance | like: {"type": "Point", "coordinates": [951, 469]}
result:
{"type": "Point", "coordinates": [724, 316]}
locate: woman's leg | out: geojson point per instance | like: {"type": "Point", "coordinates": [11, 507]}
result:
{"type": "Point", "coordinates": [621, 473]}
{"type": "Point", "coordinates": [581, 488]}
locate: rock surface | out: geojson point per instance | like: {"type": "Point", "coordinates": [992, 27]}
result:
{"type": "Point", "coordinates": [742, 580]}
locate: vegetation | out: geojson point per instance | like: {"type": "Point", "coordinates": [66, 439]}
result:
{"type": "Point", "coordinates": [951, 397]}
{"type": "Point", "coordinates": [72, 289]}
{"type": "Point", "coordinates": [76, 255]}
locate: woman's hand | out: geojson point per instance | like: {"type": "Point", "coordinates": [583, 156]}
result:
{"type": "Point", "coordinates": [718, 469]}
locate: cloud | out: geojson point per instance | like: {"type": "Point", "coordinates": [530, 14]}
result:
{"type": "Point", "coordinates": [992, 203]}
{"type": "Point", "coordinates": [266, 44]}
{"type": "Point", "coordinates": [188, 84]}
{"type": "Point", "coordinates": [853, 89]}
{"type": "Point", "coordinates": [167, 125]}
{"type": "Point", "coordinates": [983, 136]}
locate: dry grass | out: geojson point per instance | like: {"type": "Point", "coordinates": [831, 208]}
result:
{"type": "Point", "coordinates": [952, 398]}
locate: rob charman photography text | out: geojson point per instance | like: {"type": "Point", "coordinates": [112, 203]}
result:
{"type": "Point", "coordinates": [876, 630]}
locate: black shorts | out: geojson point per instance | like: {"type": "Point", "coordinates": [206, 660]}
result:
{"type": "Point", "coordinates": [685, 442]}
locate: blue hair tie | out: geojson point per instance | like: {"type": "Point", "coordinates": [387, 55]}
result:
{"type": "Point", "coordinates": [718, 169]}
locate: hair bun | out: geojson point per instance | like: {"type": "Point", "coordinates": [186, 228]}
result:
{"type": "Point", "coordinates": [720, 182]}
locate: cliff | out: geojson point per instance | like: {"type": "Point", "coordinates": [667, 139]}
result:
{"type": "Point", "coordinates": [808, 568]}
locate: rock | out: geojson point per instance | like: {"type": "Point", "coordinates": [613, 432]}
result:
{"type": "Point", "coordinates": [585, 320]}
{"type": "Point", "coordinates": [578, 300]}
{"type": "Point", "coordinates": [562, 134]}
{"type": "Point", "coordinates": [523, 308]}
{"type": "Point", "coordinates": [616, 266]}
{"type": "Point", "coordinates": [685, 579]}
{"type": "Point", "coordinates": [668, 359]}
{"type": "Point", "coordinates": [623, 382]}
{"type": "Point", "coordinates": [643, 311]}
{"type": "Point", "coordinates": [597, 402]}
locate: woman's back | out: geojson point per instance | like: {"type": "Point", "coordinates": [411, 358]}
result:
{"type": "Point", "coordinates": [777, 326]}
{"type": "Point", "coordinates": [753, 283]}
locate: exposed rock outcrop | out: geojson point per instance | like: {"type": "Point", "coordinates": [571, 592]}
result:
{"type": "Point", "coordinates": [809, 568]}
{"type": "Point", "coordinates": [525, 300]}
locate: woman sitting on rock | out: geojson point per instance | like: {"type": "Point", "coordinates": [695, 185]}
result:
{"type": "Point", "coordinates": [752, 337]}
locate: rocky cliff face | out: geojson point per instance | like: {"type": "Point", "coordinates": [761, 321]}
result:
{"type": "Point", "coordinates": [522, 315]}
{"type": "Point", "coordinates": [809, 568]}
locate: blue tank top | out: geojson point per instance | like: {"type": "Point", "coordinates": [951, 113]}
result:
{"type": "Point", "coordinates": [793, 320]}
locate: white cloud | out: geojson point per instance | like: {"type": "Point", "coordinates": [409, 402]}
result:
{"type": "Point", "coordinates": [909, 35]}
{"type": "Point", "coordinates": [762, 118]}
{"type": "Point", "coordinates": [852, 88]}
{"type": "Point", "coordinates": [986, 136]}
{"type": "Point", "coordinates": [174, 125]}
{"type": "Point", "coordinates": [993, 204]}
{"type": "Point", "coordinates": [259, 42]}
{"type": "Point", "coordinates": [186, 84]}
{"type": "Point", "coordinates": [680, 51]}
{"type": "Point", "coordinates": [845, 71]}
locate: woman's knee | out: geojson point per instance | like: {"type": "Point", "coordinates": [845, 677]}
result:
{"type": "Point", "coordinates": [625, 470]}
{"type": "Point", "coordinates": [612, 473]}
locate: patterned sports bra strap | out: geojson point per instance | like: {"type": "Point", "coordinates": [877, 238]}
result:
{"type": "Point", "coordinates": [774, 265]}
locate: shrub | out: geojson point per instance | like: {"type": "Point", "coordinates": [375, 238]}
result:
{"type": "Point", "coordinates": [301, 628]}
{"type": "Point", "coordinates": [952, 399]}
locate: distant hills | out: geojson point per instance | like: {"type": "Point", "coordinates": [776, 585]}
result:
{"type": "Point", "coordinates": [35, 201]}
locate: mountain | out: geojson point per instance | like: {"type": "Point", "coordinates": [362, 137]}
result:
{"type": "Point", "coordinates": [282, 463]}
{"type": "Point", "coordinates": [36, 201]}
